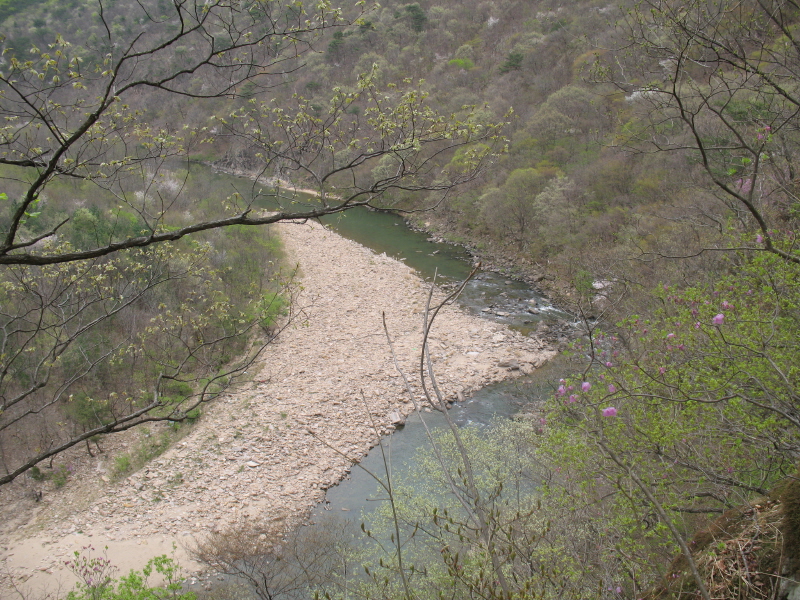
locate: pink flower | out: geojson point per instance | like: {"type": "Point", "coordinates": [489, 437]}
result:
{"type": "Point", "coordinates": [612, 388]}
{"type": "Point", "coordinates": [662, 370]}
{"type": "Point", "coordinates": [727, 305]}
{"type": "Point", "coordinates": [586, 386]}
{"type": "Point", "coordinates": [759, 239]}
{"type": "Point", "coordinates": [608, 364]}
{"type": "Point", "coordinates": [670, 335]}
{"type": "Point", "coordinates": [697, 325]}
{"type": "Point", "coordinates": [744, 185]}
{"type": "Point", "coordinates": [573, 399]}
{"type": "Point", "coordinates": [561, 390]}
{"type": "Point", "coordinates": [718, 319]}
{"type": "Point", "coordinates": [610, 412]}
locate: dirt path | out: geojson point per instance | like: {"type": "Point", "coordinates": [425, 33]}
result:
{"type": "Point", "coordinates": [258, 452]}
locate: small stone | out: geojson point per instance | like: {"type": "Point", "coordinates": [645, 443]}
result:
{"type": "Point", "coordinates": [252, 464]}
{"type": "Point", "coordinates": [509, 364]}
{"type": "Point", "coordinates": [395, 418]}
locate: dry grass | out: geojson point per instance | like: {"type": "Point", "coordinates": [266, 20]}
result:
{"type": "Point", "coordinates": [740, 556]}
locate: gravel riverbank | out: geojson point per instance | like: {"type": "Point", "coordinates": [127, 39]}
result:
{"type": "Point", "coordinates": [268, 450]}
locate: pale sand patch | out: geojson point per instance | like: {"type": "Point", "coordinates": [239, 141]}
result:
{"type": "Point", "coordinates": [258, 453]}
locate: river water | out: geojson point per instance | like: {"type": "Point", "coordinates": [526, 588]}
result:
{"type": "Point", "coordinates": [493, 295]}
{"type": "Point", "coordinates": [489, 294]}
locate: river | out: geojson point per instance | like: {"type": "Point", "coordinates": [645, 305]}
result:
{"type": "Point", "coordinates": [492, 295]}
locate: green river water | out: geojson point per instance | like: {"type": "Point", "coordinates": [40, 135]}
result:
{"type": "Point", "coordinates": [487, 294]}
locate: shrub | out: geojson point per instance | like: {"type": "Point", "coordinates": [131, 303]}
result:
{"type": "Point", "coordinates": [512, 63]}
{"type": "Point", "coordinates": [271, 306]}
{"type": "Point", "coordinates": [97, 581]}
{"type": "Point", "coordinates": [684, 412]}
{"type": "Point", "coordinates": [193, 415]}
{"type": "Point", "coordinates": [60, 476]}
{"type": "Point", "coordinates": [462, 63]}
{"type": "Point", "coordinates": [122, 464]}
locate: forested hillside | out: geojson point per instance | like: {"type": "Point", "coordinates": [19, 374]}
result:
{"type": "Point", "coordinates": [640, 157]}
{"type": "Point", "coordinates": [621, 144]}
{"type": "Point", "coordinates": [612, 168]}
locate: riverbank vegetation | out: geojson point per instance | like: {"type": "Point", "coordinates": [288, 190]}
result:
{"type": "Point", "coordinates": [83, 340]}
{"type": "Point", "coordinates": [649, 167]}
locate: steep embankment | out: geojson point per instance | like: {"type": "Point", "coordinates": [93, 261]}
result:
{"type": "Point", "coordinates": [268, 450]}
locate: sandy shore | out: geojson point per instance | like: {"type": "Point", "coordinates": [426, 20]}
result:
{"type": "Point", "coordinates": [259, 452]}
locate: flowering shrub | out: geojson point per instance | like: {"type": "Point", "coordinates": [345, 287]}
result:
{"type": "Point", "coordinates": [703, 396]}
